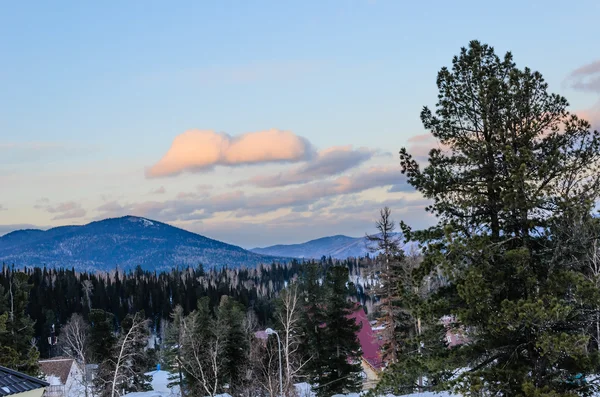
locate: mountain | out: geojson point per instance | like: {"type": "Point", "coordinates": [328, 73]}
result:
{"type": "Point", "coordinates": [124, 242]}
{"type": "Point", "coordinates": [338, 247]}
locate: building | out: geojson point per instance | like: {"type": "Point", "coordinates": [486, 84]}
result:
{"type": "Point", "coordinates": [64, 376]}
{"type": "Point", "coordinates": [16, 384]}
{"type": "Point", "coordinates": [455, 334]}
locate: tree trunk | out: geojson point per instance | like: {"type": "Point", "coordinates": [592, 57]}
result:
{"type": "Point", "coordinates": [419, 334]}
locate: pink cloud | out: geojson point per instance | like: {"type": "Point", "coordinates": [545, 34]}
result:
{"type": "Point", "coordinates": [328, 162]}
{"type": "Point", "coordinates": [420, 145]}
{"type": "Point", "coordinates": [592, 115]}
{"type": "Point", "coordinates": [160, 190]}
{"type": "Point", "coordinates": [197, 150]}
{"type": "Point", "coordinates": [421, 138]}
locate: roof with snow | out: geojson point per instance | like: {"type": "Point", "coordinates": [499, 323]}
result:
{"type": "Point", "coordinates": [13, 382]}
{"type": "Point", "coordinates": [369, 342]}
{"type": "Point", "coordinates": [59, 367]}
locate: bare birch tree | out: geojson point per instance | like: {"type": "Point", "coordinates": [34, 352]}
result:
{"type": "Point", "coordinates": [201, 357]}
{"type": "Point", "coordinates": [118, 374]}
{"type": "Point", "coordinates": [265, 359]}
{"type": "Point", "coordinates": [88, 290]}
{"type": "Point", "coordinates": [74, 340]}
{"type": "Point", "coordinates": [288, 317]}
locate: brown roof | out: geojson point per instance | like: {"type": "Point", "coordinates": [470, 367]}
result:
{"type": "Point", "coordinates": [59, 367]}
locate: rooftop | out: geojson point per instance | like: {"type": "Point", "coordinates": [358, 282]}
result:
{"type": "Point", "coordinates": [59, 367]}
{"type": "Point", "coordinates": [13, 382]}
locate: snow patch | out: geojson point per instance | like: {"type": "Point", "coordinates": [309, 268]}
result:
{"type": "Point", "coordinates": [160, 381]}
{"type": "Point", "coordinates": [146, 222]}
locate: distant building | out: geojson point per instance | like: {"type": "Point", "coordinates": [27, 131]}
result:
{"type": "Point", "coordinates": [64, 375]}
{"type": "Point", "coordinates": [455, 334]}
{"type": "Point", "coordinates": [16, 384]}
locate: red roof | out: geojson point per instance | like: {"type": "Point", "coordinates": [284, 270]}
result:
{"type": "Point", "coordinates": [368, 339]}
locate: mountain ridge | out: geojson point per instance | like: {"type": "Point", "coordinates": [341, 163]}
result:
{"type": "Point", "coordinates": [125, 242]}
{"type": "Point", "coordinates": [338, 247]}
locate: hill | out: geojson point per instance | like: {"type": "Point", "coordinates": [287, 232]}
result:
{"type": "Point", "coordinates": [338, 247]}
{"type": "Point", "coordinates": [124, 242]}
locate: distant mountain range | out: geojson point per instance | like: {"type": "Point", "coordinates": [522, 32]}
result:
{"type": "Point", "coordinates": [124, 242]}
{"type": "Point", "coordinates": [338, 247]}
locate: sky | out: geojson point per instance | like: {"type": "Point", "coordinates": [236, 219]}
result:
{"type": "Point", "coordinates": [255, 123]}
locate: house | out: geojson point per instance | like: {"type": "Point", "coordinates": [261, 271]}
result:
{"type": "Point", "coordinates": [64, 376]}
{"type": "Point", "coordinates": [455, 334]}
{"type": "Point", "coordinates": [16, 384]}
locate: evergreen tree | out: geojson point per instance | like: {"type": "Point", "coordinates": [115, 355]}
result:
{"type": "Point", "coordinates": [102, 337]}
{"type": "Point", "coordinates": [172, 347]}
{"type": "Point", "coordinates": [17, 343]}
{"type": "Point", "coordinates": [331, 333]}
{"type": "Point", "coordinates": [386, 274]}
{"type": "Point", "coordinates": [512, 170]}
{"type": "Point", "coordinates": [312, 318]}
{"type": "Point", "coordinates": [230, 319]}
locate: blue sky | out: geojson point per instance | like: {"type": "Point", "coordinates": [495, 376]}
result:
{"type": "Point", "coordinates": [94, 95]}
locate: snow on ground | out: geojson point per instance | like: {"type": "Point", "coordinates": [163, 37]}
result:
{"type": "Point", "coordinates": [160, 381]}
{"type": "Point", "coordinates": [425, 394]}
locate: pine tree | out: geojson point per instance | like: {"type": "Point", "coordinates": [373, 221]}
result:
{"type": "Point", "coordinates": [312, 318]}
{"type": "Point", "coordinates": [514, 167]}
{"type": "Point", "coordinates": [172, 347]}
{"type": "Point", "coordinates": [230, 318]}
{"type": "Point", "coordinates": [336, 364]}
{"type": "Point", "coordinates": [17, 343]}
{"type": "Point", "coordinates": [386, 274]}
{"type": "Point", "coordinates": [102, 337]}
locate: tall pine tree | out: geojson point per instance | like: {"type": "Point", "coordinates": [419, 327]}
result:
{"type": "Point", "coordinates": [513, 168]}
{"type": "Point", "coordinates": [386, 275]}
{"type": "Point", "coordinates": [331, 334]}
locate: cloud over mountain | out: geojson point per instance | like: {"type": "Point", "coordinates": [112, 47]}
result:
{"type": "Point", "coordinates": [201, 150]}
{"type": "Point", "coordinates": [196, 206]}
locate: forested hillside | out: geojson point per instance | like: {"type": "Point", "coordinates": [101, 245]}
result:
{"type": "Point", "coordinates": [125, 242]}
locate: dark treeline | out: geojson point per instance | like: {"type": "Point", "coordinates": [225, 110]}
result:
{"type": "Point", "coordinates": [55, 294]}
{"type": "Point", "coordinates": [200, 324]}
